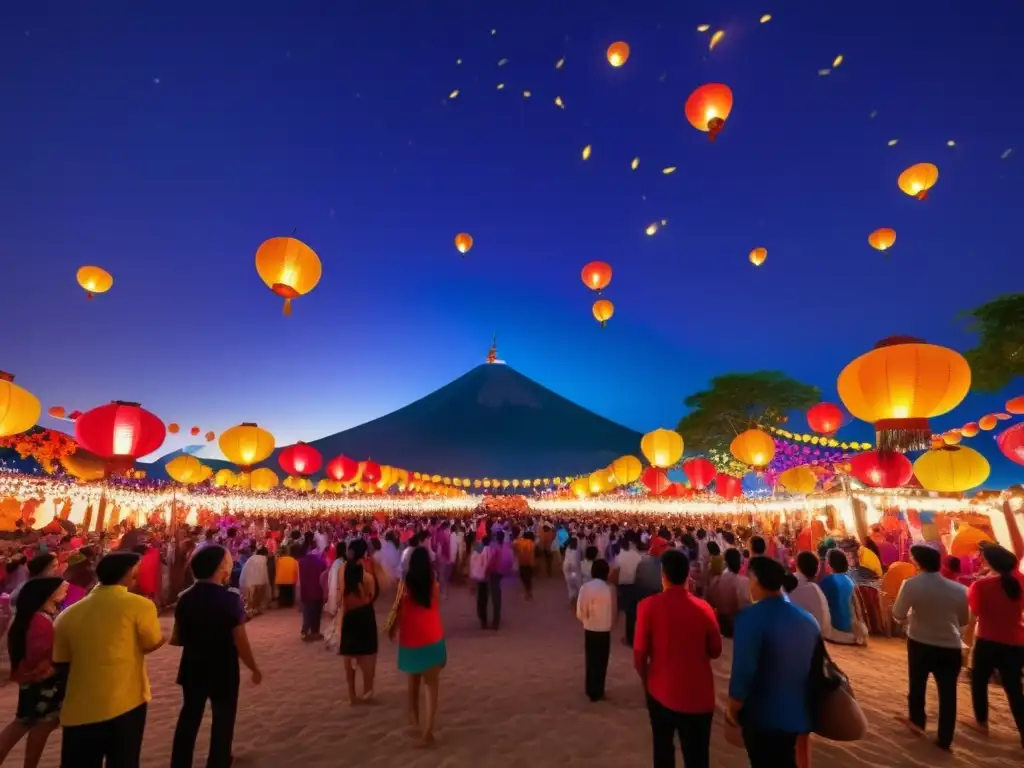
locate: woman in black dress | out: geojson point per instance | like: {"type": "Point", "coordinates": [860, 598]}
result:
{"type": "Point", "coordinates": [358, 643]}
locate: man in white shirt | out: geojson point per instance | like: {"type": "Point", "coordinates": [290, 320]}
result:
{"type": "Point", "coordinates": [626, 563]}
{"type": "Point", "coordinates": [594, 609]}
{"type": "Point", "coordinates": [808, 595]}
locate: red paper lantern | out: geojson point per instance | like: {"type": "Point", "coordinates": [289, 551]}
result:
{"type": "Point", "coordinates": [119, 430]}
{"type": "Point", "coordinates": [194, 431]}
{"type": "Point", "coordinates": [727, 486]}
{"type": "Point", "coordinates": [342, 468]}
{"type": "Point", "coordinates": [656, 480]}
{"type": "Point", "coordinates": [75, 415]}
{"type": "Point", "coordinates": [300, 459]}
{"type": "Point", "coordinates": [825, 418]}
{"type": "Point", "coordinates": [882, 469]}
{"type": "Point", "coordinates": [700, 472]}
{"type": "Point", "coordinates": [1011, 443]}
{"type": "Point", "coordinates": [371, 471]}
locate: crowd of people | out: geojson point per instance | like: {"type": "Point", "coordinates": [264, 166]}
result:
{"type": "Point", "coordinates": [86, 615]}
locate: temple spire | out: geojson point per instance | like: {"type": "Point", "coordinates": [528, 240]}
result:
{"type": "Point", "coordinates": [492, 355]}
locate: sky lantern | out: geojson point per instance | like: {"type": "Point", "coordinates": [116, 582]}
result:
{"type": "Point", "coordinates": [757, 256]}
{"type": "Point", "coordinates": [209, 437]}
{"type": "Point", "coordinates": [988, 422]}
{"type": "Point", "coordinates": [1011, 443]}
{"type": "Point", "coordinates": [370, 471]}
{"type": "Point", "coordinates": [970, 429]}
{"type": "Point", "coordinates": [580, 487]}
{"type": "Point", "coordinates": [342, 468]}
{"type": "Point", "coordinates": [603, 311]}
{"type": "Point", "coordinates": [656, 480]}
{"type": "Point", "coordinates": [882, 239]}
{"type": "Point", "coordinates": [173, 428]}
{"type": "Point", "coordinates": [246, 445]}
{"type": "Point", "coordinates": [262, 480]}
{"type": "Point", "coordinates": [19, 408]}
{"type": "Point", "coordinates": [708, 107]}
{"type": "Point", "coordinates": [83, 465]}
{"type": "Point", "coordinates": [800, 480]}
{"type": "Point", "coordinates": [918, 179]}
{"type": "Point", "coordinates": [662, 447]}
{"type": "Point", "coordinates": [953, 469]}
{"type": "Point", "coordinates": [74, 415]}
{"type": "Point", "coordinates": [56, 411]}
{"type": "Point", "coordinates": [753, 447]}
{"type": "Point", "coordinates": [185, 469]}
{"type": "Point", "coordinates": [224, 478]}
{"type": "Point", "coordinates": [618, 53]}
{"type": "Point", "coordinates": [1016, 405]}
{"type": "Point", "coordinates": [626, 470]}
{"type": "Point", "coordinates": [463, 243]}
{"type": "Point", "coordinates": [881, 470]}
{"type": "Point", "coordinates": [952, 437]}
{"type": "Point", "coordinates": [94, 280]}
{"type": "Point", "coordinates": [596, 275]}
{"type": "Point", "coordinates": [194, 431]}
{"type": "Point", "coordinates": [899, 385]}
{"type": "Point", "coordinates": [289, 267]}
{"type": "Point", "coordinates": [700, 472]}
{"type": "Point", "coordinates": [727, 486]}
{"type": "Point", "coordinates": [598, 482]}
{"type": "Point", "coordinates": [300, 459]}
{"type": "Point", "coordinates": [119, 432]}
{"type": "Point", "coordinates": [825, 418]}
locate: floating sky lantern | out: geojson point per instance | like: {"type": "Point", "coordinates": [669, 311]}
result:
{"type": "Point", "coordinates": [656, 480]}
{"type": "Point", "coordinates": [289, 267]}
{"type": "Point", "coordinates": [463, 243]}
{"type": "Point", "coordinates": [370, 471]}
{"type": "Point", "coordinates": [700, 472]}
{"type": "Point", "coordinates": [596, 276]}
{"type": "Point", "coordinates": [185, 469]}
{"type": "Point", "coordinates": [224, 478]}
{"type": "Point", "coordinates": [618, 53]}
{"type": "Point", "coordinates": [727, 486]}
{"type": "Point", "coordinates": [1015, 405]}
{"type": "Point", "coordinates": [1011, 443]}
{"type": "Point", "coordinates": [881, 470]}
{"type": "Point", "coordinates": [953, 469]}
{"type": "Point", "coordinates": [970, 429]}
{"type": "Point", "coordinates": [74, 415]}
{"type": "Point", "coordinates": [343, 469]}
{"type": "Point", "coordinates": [246, 445]}
{"type": "Point", "coordinates": [119, 432]}
{"type": "Point", "coordinates": [194, 431]}
{"type": "Point", "coordinates": [300, 459]}
{"type": "Point", "coordinates": [988, 422]}
{"type": "Point", "coordinates": [825, 418]}
{"type": "Point", "coordinates": [899, 385]}
{"type": "Point", "coordinates": [625, 469]}
{"type": "Point", "coordinates": [94, 280]}
{"type": "Point", "coordinates": [262, 480]}
{"type": "Point", "coordinates": [662, 447]}
{"type": "Point", "coordinates": [800, 480]}
{"type": "Point", "coordinates": [19, 408]}
{"type": "Point", "coordinates": [708, 108]}
{"type": "Point", "coordinates": [56, 411]}
{"type": "Point", "coordinates": [757, 256]}
{"type": "Point", "coordinates": [918, 179]}
{"type": "Point", "coordinates": [210, 436]}
{"type": "Point", "coordinates": [952, 437]}
{"type": "Point", "coordinates": [173, 429]}
{"type": "Point", "coordinates": [753, 447]}
{"type": "Point", "coordinates": [603, 311]}
{"type": "Point", "coordinates": [882, 239]}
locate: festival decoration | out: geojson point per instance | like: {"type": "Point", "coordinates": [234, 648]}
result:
{"type": "Point", "coordinates": [262, 480]}
{"type": "Point", "coordinates": [74, 416]}
{"type": "Point", "coordinates": [918, 179]}
{"type": "Point", "coordinates": [185, 469]}
{"type": "Point", "coordinates": [295, 483]}
{"type": "Point", "coordinates": [728, 486]}
{"type": "Point", "coordinates": [798, 480]}
{"type": "Point", "coordinates": [224, 478]}
{"type": "Point", "coordinates": [952, 469]}
{"type": "Point", "coordinates": [830, 442]}
{"type": "Point", "coordinates": [899, 385]}
{"type": "Point", "coordinates": [970, 429]}
{"type": "Point", "coordinates": [625, 470]}
{"type": "Point", "coordinates": [968, 541]}
{"type": "Point", "coordinates": [210, 436]}
{"type": "Point", "coordinates": [882, 470]}
{"type": "Point", "coordinates": [618, 54]}
{"type": "Point", "coordinates": [753, 447]}
{"type": "Point", "coordinates": [597, 482]}
{"type": "Point", "coordinates": [882, 239]}
{"type": "Point", "coordinates": [656, 480]}
{"type": "Point", "coordinates": [85, 466]}
{"type": "Point", "coordinates": [663, 447]}
{"type": "Point", "coordinates": [825, 418]}
{"type": "Point", "coordinates": [120, 432]}
{"type": "Point", "coordinates": [463, 242]}
{"type": "Point", "coordinates": [94, 280]}
{"type": "Point", "coordinates": [708, 107]}
{"type": "Point", "coordinates": [300, 459]}
{"type": "Point", "coordinates": [757, 256]}
{"type": "Point", "coordinates": [370, 472]}
{"type": "Point", "coordinates": [194, 431]}
{"type": "Point", "coordinates": [988, 422]}
{"type": "Point", "coordinates": [173, 429]}
{"type": "Point", "coordinates": [44, 446]}
{"type": "Point", "coordinates": [700, 472]}
{"type": "Point", "coordinates": [246, 445]}
{"type": "Point", "coordinates": [596, 275]}
{"type": "Point", "coordinates": [56, 411]}
{"type": "Point", "coordinates": [1015, 405]}
{"type": "Point", "coordinates": [289, 267]}
{"type": "Point", "coordinates": [603, 311]}
{"type": "Point", "coordinates": [19, 408]}
{"type": "Point", "coordinates": [343, 469]}
{"type": "Point", "coordinates": [1011, 443]}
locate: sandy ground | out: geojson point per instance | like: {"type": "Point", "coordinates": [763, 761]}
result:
{"type": "Point", "coordinates": [513, 698]}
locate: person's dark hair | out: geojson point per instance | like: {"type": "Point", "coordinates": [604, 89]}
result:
{"type": "Point", "coordinates": [625, 543]}
{"type": "Point", "coordinates": [500, 537]}
{"type": "Point", "coordinates": [953, 563]}
{"type": "Point", "coordinates": [572, 542]}
{"type": "Point", "coordinates": [590, 553]}
{"type": "Point", "coordinates": [375, 543]}
{"type": "Point", "coordinates": [790, 583]}
{"type": "Point", "coordinates": [768, 573]}
{"type": "Point", "coordinates": [729, 538]}
{"type": "Point", "coordinates": [114, 566]}
{"type": "Point", "coordinates": [1005, 563]}
{"type": "Point", "coordinates": [419, 578]}
{"type": "Point", "coordinates": [262, 551]}
{"type": "Point", "coordinates": [733, 560]}
{"type": "Point", "coordinates": [32, 597]}
{"type": "Point", "coordinates": [713, 549]}
{"type": "Point", "coordinates": [757, 546]}
{"type": "Point", "coordinates": [675, 566]}
{"type": "Point", "coordinates": [529, 536]}
{"type": "Point", "coordinates": [837, 561]}
{"type": "Point", "coordinates": [486, 541]}
{"type": "Point", "coordinates": [357, 549]}
{"type": "Point", "coordinates": [353, 577]}
{"type": "Point", "coordinates": [232, 532]}
{"type": "Point", "coordinates": [870, 544]}
{"type": "Point", "coordinates": [600, 569]}
{"type": "Point", "coordinates": [928, 558]}
{"type": "Point", "coordinates": [807, 564]}
{"type": "Point", "coordinates": [701, 533]}
{"type": "Point", "coordinates": [206, 561]}
{"type": "Point", "coordinates": [38, 564]}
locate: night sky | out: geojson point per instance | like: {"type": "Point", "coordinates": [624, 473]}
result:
{"type": "Point", "coordinates": [165, 141]}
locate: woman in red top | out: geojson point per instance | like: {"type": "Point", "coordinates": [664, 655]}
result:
{"type": "Point", "coordinates": [998, 603]}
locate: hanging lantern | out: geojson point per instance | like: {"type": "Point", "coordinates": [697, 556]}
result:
{"type": "Point", "coordinates": [656, 480]}
{"type": "Point", "coordinates": [727, 486]}
{"type": "Point", "coordinates": [626, 470]}
{"type": "Point", "coordinates": [899, 385]}
{"type": "Point", "coordinates": [19, 408]}
{"type": "Point", "coordinates": [94, 280]}
{"type": "Point", "coordinates": [799, 480]}
{"type": "Point", "coordinates": [950, 438]}
{"type": "Point", "coordinates": [343, 469]}
{"type": "Point", "coordinates": [184, 469]}
{"type": "Point", "coordinates": [1011, 442]}
{"type": "Point", "coordinates": [757, 256]}
{"type": "Point", "coordinates": [173, 429]}
{"type": "Point", "coordinates": [580, 487]}
{"type": "Point", "coordinates": [596, 275]}
{"type": "Point", "coordinates": [753, 448]}
{"type": "Point", "coordinates": [825, 418]}
{"type": "Point", "coordinates": [1016, 405]}
{"type": "Point", "coordinates": [700, 472]}
{"type": "Point", "coordinates": [463, 243]}
{"type": "Point", "coordinates": [210, 436]}
{"type": "Point", "coordinates": [262, 480]}
{"type": "Point", "coordinates": [708, 107]}
{"type": "Point", "coordinates": [597, 482]}
{"type": "Point", "coordinates": [953, 469]}
{"type": "Point", "coordinates": [662, 447]}
{"type": "Point", "coordinates": [370, 472]}
{"type": "Point", "coordinates": [988, 422]}
{"type": "Point", "coordinates": [300, 459]}
{"type": "Point", "coordinates": [84, 465]}
{"type": "Point", "coordinates": [882, 239]}
{"type": "Point", "coordinates": [246, 445]}
{"type": "Point", "coordinates": [119, 432]}
{"type": "Point", "coordinates": [224, 478]}
{"type": "Point", "coordinates": [618, 54]}
{"type": "Point", "coordinates": [56, 411]}
{"type": "Point", "coordinates": [289, 267]}
{"type": "Point", "coordinates": [603, 311]}
{"type": "Point", "coordinates": [918, 179]}
{"type": "Point", "coordinates": [882, 470]}
{"type": "Point", "coordinates": [970, 429]}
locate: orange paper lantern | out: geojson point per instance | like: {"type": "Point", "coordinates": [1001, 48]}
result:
{"type": "Point", "coordinates": [618, 53]}
{"type": "Point", "coordinates": [289, 267]}
{"type": "Point", "coordinates": [596, 276]}
{"type": "Point", "coordinates": [708, 108]}
{"type": "Point", "coordinates": [882, 239]}
{"type": "Point", "coordinates": [463, 243]}
{"type": "Point", "coordinates": [918, 179]}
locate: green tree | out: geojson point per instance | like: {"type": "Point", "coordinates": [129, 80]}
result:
{"type": "Point", "coordinates": [998, 357]}
{"type": "Point", "coordinates": [738, 401]}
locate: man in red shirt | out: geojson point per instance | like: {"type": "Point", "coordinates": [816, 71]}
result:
{"type": "Point", "coordinates": [676, 638]}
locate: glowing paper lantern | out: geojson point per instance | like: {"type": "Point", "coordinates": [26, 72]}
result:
{"type": "Point", "coordinates": [303, 484]}
{"type": "Point", "coordinates": [882, 239]}
{"type": "Point", "coordinates": [618, 54]}
{"type": "Point", "coordinates": [194, 431]}
{"type": "Point", "coordinates": [173, 429]}
{"type": "Point", "coordinates": [596, 275]}
{"type": "Point", "coordinates": [246, 445]}
{"type": "Point", "coordinates": [84, 465]}
{"type": "Point", "coordinates": [798, 480]}
{"type": "Point", "coordinates": [970, 429]}
{"type": "Point", "coordinates": [656, 480]}
{"type": "Point", "coordinates": [753, 447]}
{"type": "Point", "coordinates": [625, 469]}
{"type": "Point", "coordinates": [343, 469]}
{"type": "Point", "coordinates": [603, 311]}
{"type": "Point", "coordinates": [463, 243]}
{"type": "Point", "coordinates": [662, 447]}
{"type": "Point", "coordinates": [727, 486]}
{"type": "Point", "coordinates": [1016, 405]}
{"type": "Point", "coordinates": [120, 431]}
{"type": "Point", "coordinates": [882, 470]}
{"type": "Point", "coordinates": [300, 459]}
{"type": "Point", "coordinates": [708, 107]}
{"type": "Point", "coordinates": [224, 478]}
{"type": "Point", "coordinates": [185, 469]}
{"type": "Point", "coordinates": [56, 411]}
{"type": "Point", "coordinates": [580, 487]}
{"type": "Point", "coordinates": [262, 480]}
{"type": "Point", "coordinates": [899, 385]}
{"type": "Point", "coordinates": [370, 471]}
{"type": "Point", "coordinates": [918, 179]}
{"type": "Point", "coordinates": [825, 418]}
{"type": "Point", "coordinates": [953, 469]}
{"type": "Point", "coordinates": [289, 267]}
{"type": "Point", "coordinates": [757, 256]}
{"type": "Point", "coordinates": [94, 280]}
{"type": "Point", "coordinates": [210, 436]}
{"type": "Point", "coordinates": [19, 408]}
{"type": "Point", "coordinates": [988, 422]}
{"type": "Point", "coordinates": [951, 438]}
{"type": "Point", "coordinates": [700, 472]}
{"type": "Point", "coordinates": [968, 541]}
{"type": "Point", "coordinates": [75, 415]}
{"type": "Point", "coordinates": [598, 482]}
{"type": "Point", "coordinates": [1011, 443]}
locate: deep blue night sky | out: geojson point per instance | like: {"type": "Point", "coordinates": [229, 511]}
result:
{"type": "Point", "coordinates": [165, 141]}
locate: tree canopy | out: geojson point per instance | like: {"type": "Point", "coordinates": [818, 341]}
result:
{"type": "Point", "coordinates": [998, 357]}
{"type": "Point", "coordinates": [737, 401]}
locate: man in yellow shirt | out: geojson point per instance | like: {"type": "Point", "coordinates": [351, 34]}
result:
{"type": "Point", "coordinates": [104, 639]}
{"type": "Point", "coordinates": [286, 575]}
{"type": "Point", "coordinates": [524, 549]}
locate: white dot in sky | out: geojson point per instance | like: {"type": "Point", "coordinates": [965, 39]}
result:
{"type": "Point", "coordinates": [156, 81]}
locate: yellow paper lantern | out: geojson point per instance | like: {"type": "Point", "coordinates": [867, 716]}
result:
{"type": "Point", "coordinates": [246, 444]}
{"type": "Point", "coordinates": [515, 483]}
{"type": "Point", "coordinates": [94, 280]}
{"type": "Point", "coordinates": [477, 483]}
{"type": "Point", "coordinates": [185, 469]}
{"type": "Point", "coordinates": [753, 447]}
{"type": "Point", "coordinates": [798, 480]}
{"type": "Point", "coordinates": [988, 422]}
{"type": "Point", "coordinates": [19, 408]}
{"type": "Point", "coordinates": [627, 469]}
{"type": "Point", "coordinates": [325, 485]}
{"type": "Point", "coordinates": [618, 53]}
{"type": "Point", "coordinates": [967, 541]}
{"type": "Point", "coordinates": [242, 480]}
{"type": "Point", "coordinates": [205, 473]}
{"type": "Point", "coordinates": [262, 480]}
{"type": "Point", "coordinates": [505, 483]}
{"type": "Point", "coordinates": [463, 242]}
{"type": "Point", "coordinates": [580, 487]}
{"type": "Point", "coordinates": [224, 478]}
{"type": "Point", "coordinates": [289, 267]}
{"type": "Point", "coordinates": [603, 311]}
{"type": "Point", "coordinates": [84, 466]}
{"type": "Point", "coordinates": [662, 447]}
{"type": "Point", "coordinates": [597, 482]}
{"type": "Point", "coordinates": [952, 469]}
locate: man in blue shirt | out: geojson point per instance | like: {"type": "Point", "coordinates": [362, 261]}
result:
{"type": "Point", "coordinates": [773, 652]}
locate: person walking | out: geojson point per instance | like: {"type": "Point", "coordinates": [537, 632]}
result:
{"type": "Point", "coordinates": [209, 626]}
{"type": "Point", "coordinates": [595, 609]}
{"type": "Point", "coordinates": [525, 551]}
{"type": "Point", "coordinates": [938, 611]}
{"type": "Point", "coordinates": [286, 575]}
{"type": "Point", "coordinates": [254, 581]}
{"type": "Point", "coordinates": [626, 563]}
{"type": "Point", "coordinates": [571, 568]}
{"type": "Point", "coordinates": [479, 563]}
{"type": "Point", "coordinates": [311, 594]}
{"type": "Point", "coordinates": [500, 564]}
{"type": "Point", "coordinates": [358, 631]}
